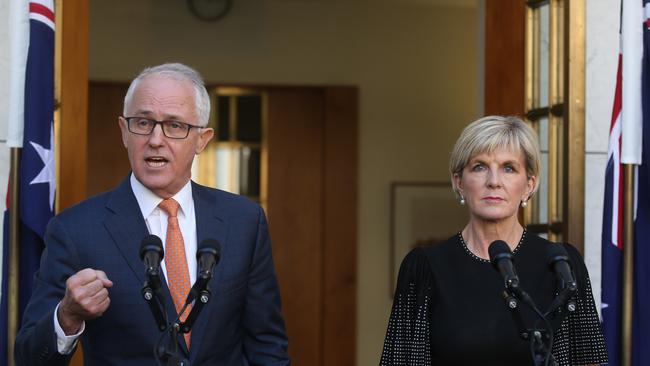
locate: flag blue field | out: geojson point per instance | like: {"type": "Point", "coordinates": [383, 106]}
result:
{"type": "Point", "coordinates": [612, 235]}
{"type": "Point", "coordinates": [629, 143]}
{"type": "Point", "coordinates": [36, 171]}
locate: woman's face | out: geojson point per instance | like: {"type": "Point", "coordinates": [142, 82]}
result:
{"type": "Point", "coordinates": [494, 184]}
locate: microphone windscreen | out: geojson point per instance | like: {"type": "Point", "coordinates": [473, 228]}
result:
{"type": "Point", "coordinates": [556, 252]}
{"type": "Point", "coordinates": [498, 249]}
{"type": "Point", "coordinates": [151, 243]}
{"type": "Point", "coordinates": [210, 246]}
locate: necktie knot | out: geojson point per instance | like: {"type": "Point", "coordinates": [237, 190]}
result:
{"type": "Point", "coordinates": [170, 206]}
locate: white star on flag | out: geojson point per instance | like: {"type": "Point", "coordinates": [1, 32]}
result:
{"type": "Point", "coordinates": [46, 175]}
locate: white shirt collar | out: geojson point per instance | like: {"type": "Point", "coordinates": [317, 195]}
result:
{"type": "Point", "coordinates": [149, 201]}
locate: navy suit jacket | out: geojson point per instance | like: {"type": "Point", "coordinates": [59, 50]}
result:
{"type": "Point", "coordinates": [241, 325]}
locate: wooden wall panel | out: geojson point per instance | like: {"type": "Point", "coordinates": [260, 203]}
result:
{"type": "Point", "coordinates": [108, 162]}
{"type": "Point", "coordinates": [340, 223]}
{"type": "Point", "coordinates": [74, 103]}
{"type": "Point", "coordinates": [295, 193]}
{"type": "Point", "coordinates": [504, 57]}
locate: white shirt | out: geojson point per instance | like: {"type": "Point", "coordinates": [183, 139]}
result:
{"type": "Point", "coordinates": [156, 220]}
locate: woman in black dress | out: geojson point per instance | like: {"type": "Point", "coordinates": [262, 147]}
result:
{"type": "Point", "coordinates": [448, 307]}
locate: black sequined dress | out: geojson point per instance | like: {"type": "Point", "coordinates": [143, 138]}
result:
{"type": "Point", "coordinates": [449, 310]}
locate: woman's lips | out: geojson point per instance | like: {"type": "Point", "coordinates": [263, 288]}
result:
{"type": "Point", "coordinates": [492, 199]}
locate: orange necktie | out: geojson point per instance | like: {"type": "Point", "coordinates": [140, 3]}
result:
{"type": "Point", "coordinates": [178, 274]}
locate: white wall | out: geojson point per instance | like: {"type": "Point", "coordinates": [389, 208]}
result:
{"type": "Point", "coordinates": [416, 63]}
{"type": "Point", "coordinates": [602, 56]}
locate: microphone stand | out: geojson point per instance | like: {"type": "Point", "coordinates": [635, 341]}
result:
{"type": "Point", "coordinates": [155, 300]}
{"type": "Point", "coordinates": [170, 356]}
{"type": "Point", "coordinates": [540, 352]}
{"type": "Point", "coordinates": [203, 298]}
{"type": "Point", "coordinates": [164, 356]}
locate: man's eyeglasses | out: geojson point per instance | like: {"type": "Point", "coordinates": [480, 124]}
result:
{"type": "Point", "coordinates": [171, 129]}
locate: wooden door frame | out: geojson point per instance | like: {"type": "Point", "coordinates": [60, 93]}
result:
{"type": "Point", "coordinates": [71, 93]}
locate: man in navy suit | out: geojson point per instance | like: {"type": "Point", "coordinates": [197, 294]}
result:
{"type": "Point", "coordinates": [88, 286]}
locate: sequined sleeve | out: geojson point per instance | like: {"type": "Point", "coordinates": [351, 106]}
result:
{"type": "Point", "coordinates": [579, 341]}
{"type": "Point", "coordinates": [407, 339]}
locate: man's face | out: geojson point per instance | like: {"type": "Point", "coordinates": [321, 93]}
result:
{"type": "Point", "coordinates": [160, 163]}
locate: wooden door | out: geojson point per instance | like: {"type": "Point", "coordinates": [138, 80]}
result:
{"type": "Point", "coordinates": [312, 180]}
{"type": "Point", "coordinates": [504, 57]}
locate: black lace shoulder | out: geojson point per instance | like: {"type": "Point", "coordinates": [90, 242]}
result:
{"type": "Point", "coordinates": [580, 341]}
{"type": "Point", "coordinates": [407, 339]}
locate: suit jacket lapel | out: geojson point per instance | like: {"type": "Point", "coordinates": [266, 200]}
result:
{"type": "Point", "coordinates": [210, 224]}
{"type": "Point", "coordinates": [127, 228]}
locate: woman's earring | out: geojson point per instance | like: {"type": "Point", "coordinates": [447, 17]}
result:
{"type": "Point", "coordinates": [462, 201]}
{"type": "Point", "coordinates": [524, 204]}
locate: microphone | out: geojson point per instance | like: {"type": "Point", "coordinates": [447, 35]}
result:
{"type": "Point", "coordinates": [151, 253]}
{"type": "Point", "coordinates": [501, 259]}
{"type": "Point", "coordinates": [207, 256]}
{"type": "Point", "coordinates": [558, 261]}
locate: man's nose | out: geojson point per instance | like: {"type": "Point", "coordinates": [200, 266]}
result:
{"type": "Point", "coordinates": [156, 137]}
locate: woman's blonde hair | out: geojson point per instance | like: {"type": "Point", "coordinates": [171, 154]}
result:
{"type": "Point", "coordinates": [490, 133]}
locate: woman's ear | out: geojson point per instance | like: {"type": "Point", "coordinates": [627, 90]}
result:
{"type": "Point", "coordinates": [530, 186]}
{"type": "Point", "coordinates": [458, 183]}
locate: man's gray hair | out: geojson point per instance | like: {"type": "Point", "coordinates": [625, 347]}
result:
{"type": "Point", "coordinates": [176, 71]}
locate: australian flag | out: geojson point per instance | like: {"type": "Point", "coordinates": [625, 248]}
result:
{"type": "Point", "coordinates": [629, 143]}
{"type": "Point", "coordinates": [36, 170]}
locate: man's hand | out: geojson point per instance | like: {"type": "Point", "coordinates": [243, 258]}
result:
{"type": "Point", "coordinates": [86, 297]}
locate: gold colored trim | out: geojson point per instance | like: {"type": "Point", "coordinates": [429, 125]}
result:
{"type": "Point", "coordinates": [553, 121]}
{"type": "Point", "coordinates": [232, 137]}
{"type": "Point", "coordinates": [264, 154]}
{"type": "Point", "coordinates": [530, 215]}
{"type": "Point", "coordinates": [529, 59]}
{"type": "Point", "coordinates": [234, 91]}
{"type": "Point", "coordinates": [628, 266]}
{"type": "Point", "coordinates": [574, 141]}
{"type": "Point", "coordinates": [535, 62]}
{"type": "Point", "coordinates": [14, 258]}
{"type": "Point", "coordinates": [58, 47]}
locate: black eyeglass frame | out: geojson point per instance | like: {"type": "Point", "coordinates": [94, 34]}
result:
{"type": "Point", "coordinates": [162, 126]}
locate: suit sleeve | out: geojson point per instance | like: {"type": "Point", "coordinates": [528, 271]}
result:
{"type": "Point", "coordinates": [265, 340]}
{"type": "Point", "coordinates": [36, 340]}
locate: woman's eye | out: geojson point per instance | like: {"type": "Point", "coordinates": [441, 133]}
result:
{"type": "Point", "coordinates": [478, 167]}
{"type": "Point", "coordinates": [509, 169]}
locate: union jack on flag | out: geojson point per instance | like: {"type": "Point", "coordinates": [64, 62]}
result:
{"type": "Point", "coordinates": [629, 143]}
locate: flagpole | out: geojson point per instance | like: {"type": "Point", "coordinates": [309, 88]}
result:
{"type": "Point", "coordinates": [628, 265]}
{"type": "Point", "coordinates": [14, 256]}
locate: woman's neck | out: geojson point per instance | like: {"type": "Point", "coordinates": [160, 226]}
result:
{"type": "Point", "coordinates": [479, 234]}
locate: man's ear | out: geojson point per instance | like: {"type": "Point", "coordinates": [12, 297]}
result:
{"type": "Point", "coordinates": [205, 135]}
{"type": "Point", "coordinates": [124, 128]}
